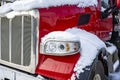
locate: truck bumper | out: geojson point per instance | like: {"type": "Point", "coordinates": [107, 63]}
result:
{"type": "Point", "coordinates": [11, 74]}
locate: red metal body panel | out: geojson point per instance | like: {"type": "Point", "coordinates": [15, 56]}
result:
{"type": "Point", "coordinates": [64, 17]}
{"type": "Point", "coordinates": [105, 25]}
{"type": "Point", "coordinates": [60, 19]}
{"type": "Point", "coordinates": [59, 68]}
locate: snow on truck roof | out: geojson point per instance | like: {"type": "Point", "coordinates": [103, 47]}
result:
{"type": "Point", "coordinates": [23, 5]}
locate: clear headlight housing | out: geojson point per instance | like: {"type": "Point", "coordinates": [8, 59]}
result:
{"type": "Point", "coordinates": [60, 48]}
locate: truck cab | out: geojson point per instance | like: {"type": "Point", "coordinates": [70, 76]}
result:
{"type": "Point", "coordinates": [39, 40]}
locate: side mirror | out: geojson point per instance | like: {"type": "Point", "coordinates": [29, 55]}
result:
{"type": "Point", "coordinates": [118, 4]}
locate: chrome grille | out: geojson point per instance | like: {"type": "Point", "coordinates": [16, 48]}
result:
{"type": "Point", "coordinates": [19, 41]}
{"type": "Point", "coordinates": [16, 39]}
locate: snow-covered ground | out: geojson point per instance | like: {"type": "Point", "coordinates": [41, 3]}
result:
{"type": "Point", "coordinates": [115, 76]}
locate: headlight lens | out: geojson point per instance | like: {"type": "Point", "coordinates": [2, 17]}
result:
{"type": "Point", "coordinates": [60, 48]}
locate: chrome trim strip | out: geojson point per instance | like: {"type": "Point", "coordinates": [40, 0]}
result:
{"type": "Point", "coordinates": [12, 14]}
{"type": "Point", "coordinates": [37, 37]}
{"type": "Point", "coordinates": [19, 75]}
{"type": "Point", "coordinates": [32, 42]}
{"type": "Point", "coordinates": [0, 38]}
{"type": "Point", "coordinates": [22, 40]}
{"type": "Point", "coordinates": [10, 39]}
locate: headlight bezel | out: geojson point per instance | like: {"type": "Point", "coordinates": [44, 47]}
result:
{"type": "Point", "coordinates": [69, 43]}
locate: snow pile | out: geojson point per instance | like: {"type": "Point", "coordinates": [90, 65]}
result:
{"type": "Point", "coordinates": [22, 5]}
{"type": "Point", "coordinates": [103, 9]}
{"type": "Point", "coordinates": [59, 35]}
{"type": "Point", "coordinates": [5, 8]}
{"type": "Point", "coordinates": [115, 76]}
{"type": "Point", "coordinates": [116, 65]}
{"type": "Point", "coordinates": [90, 45]}
{"type": "Point", "coordinates": [111, 49]}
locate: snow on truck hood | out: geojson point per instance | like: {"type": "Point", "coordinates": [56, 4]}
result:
{"type": "Point", "coordinates": [23, 5]}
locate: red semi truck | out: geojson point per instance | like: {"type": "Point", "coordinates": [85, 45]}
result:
{"type": "Point", "coordinates": [22, 57]}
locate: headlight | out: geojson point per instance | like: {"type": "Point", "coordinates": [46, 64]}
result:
{"type": "Point", "coordinates": [60, 48]}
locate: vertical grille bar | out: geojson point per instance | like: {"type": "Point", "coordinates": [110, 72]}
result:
{"type": "Point", "coordinates": [22, 36]}
{"type": "Point", "coordinates": [10, 39]}
{"type": "Point", "coordinates": [0, 38]}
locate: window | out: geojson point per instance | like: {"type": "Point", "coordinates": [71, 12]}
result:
{"type": "Point", "coordinates": [83, 19]}
{"type": "Point", "coordinates": [105, 4]}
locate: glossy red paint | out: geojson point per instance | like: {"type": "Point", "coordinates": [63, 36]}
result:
{"type": "Point", "coordinates": [118, 3]}
{"type": "Point", "coordinates": [59, 68]}
{"type": "Point", "coordinates": [59, 19]}
{"type": "Point", "coordinates": [64, 17]}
